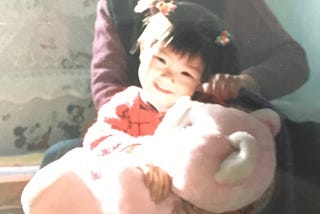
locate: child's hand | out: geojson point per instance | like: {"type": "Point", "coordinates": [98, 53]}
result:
{"type": "Point", "coordinates": [157, 181]}
{"type": "Point", "coordinates": [226, 86]}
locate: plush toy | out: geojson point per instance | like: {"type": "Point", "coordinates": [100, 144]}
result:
{"type": "Point", "coordinates": [220, 160]}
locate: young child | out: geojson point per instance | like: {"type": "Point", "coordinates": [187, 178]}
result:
{"type": "Point", "coordinates": [182, 44]}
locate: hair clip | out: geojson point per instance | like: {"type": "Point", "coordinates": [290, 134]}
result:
{"type": "Point", "coordinates": [166, 7]}
{"type": "Point", "coordinates": [224, 38]}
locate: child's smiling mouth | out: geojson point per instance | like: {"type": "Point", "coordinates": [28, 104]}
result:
{"type": "Point", "coordinates": [161, 89]}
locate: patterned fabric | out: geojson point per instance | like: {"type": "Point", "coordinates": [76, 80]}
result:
{"type": "Point", "coordinates": [139, 119]}
{"type": "Point", "coordinates": [41, 61]}
{"type": "Point", "coordinates": [125, 116]}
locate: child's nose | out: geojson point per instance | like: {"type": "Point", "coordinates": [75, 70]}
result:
{"type": "Point", "coordinates": [168, 73]}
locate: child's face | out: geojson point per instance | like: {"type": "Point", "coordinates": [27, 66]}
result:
{"type": "Point", "coordinates": [166, 75]}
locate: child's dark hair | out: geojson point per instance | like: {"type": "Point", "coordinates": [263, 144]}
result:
{"type": "Point", "coordinates": [195, 30]}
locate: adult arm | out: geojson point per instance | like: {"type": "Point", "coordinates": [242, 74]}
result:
{"type": "Point", "coordinates": [108, 66]}
{"type": "Point", "coordinates": [266, 51]}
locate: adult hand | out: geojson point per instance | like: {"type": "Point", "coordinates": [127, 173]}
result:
{"type": "Point", "coordinates": [226, 86]}
{"type": "Point", "coordinates": [157, 181]}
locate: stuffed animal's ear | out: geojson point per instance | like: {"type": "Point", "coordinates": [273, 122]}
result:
{"type": "Point", "coordinates": [270, 118]}
{"type": "Point", "coordinates": [240, 163]}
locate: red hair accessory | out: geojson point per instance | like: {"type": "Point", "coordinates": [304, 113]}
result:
{"type": "Point", "coordinates": [166, 7]}
{"type": "Point", "coordinates": [224, 38]}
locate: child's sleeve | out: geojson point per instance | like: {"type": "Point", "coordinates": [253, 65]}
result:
{"type": "Point", "coordinates": [110, 129]}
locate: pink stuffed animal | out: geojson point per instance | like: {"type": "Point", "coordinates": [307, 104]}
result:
{"type": "Point", "coordinates": [220, 159]}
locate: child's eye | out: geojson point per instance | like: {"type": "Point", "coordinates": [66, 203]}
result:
{"type": "Point", "coordinates": [186, 74]}
{"type": "Point", "coordinates": [160, 59]}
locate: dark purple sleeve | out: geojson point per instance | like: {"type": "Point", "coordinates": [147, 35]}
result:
{"type": "Point", "coordinates": [108, 66]}
{"type": "Point", "coordinates": [265, 49]}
